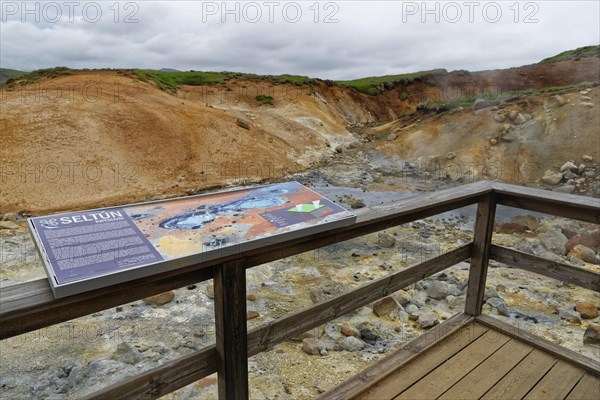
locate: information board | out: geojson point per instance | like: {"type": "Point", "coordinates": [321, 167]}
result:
{"type": "Point", "coordinates": [87, 250]}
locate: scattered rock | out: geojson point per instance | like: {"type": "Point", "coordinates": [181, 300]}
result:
{"type": "Point", "coordinates": [499, 305]}
{"type": "Point", "coordinates": [127, 354]}
{"type": "Point", "coordinates": [351, 343]}
{"type": "Point", "coordinates": [329, 290]}
{"type": "Point", "coordinates": [439, 290]}
{"type": "Point", "coordinates": [589, 239]}
{"type": "Point", "coordinates": [252, 314]}
{"type": "Point", "coordinates": [587, 104]}
{"type": "Point", "coordinates": [9, 216]}
{"type": "Point", "coordinates": [403, 297]}
{"type": "Point", "coordinates": [313, 346]}
{"type": "Point", "coordinates": [412, 310]}
{"type": "Point", "coordinates": [160, 299]}
{"type": "Point", "coordinates": [532, 223]}
{"type": "Point", "coordinates": [385, 240]}
{"type": "Point", "coordinates": [339, 149]}
{"type": "Point", "coordinates": [587, 158]}
{"type": "Point", "coordinates": [568, 166]}
{"type": "Point", "coordinates": [450, 155]}
{"type": "Point", "coordinates": [512, 115]}
{"type": "Point", "coordinates": [553, 241]}
{"type": "Point", "coordinates": [555, 101]}
{"type": "Point", "coordinates": [552, 178]}
{"type": "Point", "coordinates": [427, 320]}
{"type": "Point", "coordinates": [352, 202]}
{"type": "Point", "coordinates": [592, 334]}
{"type": "Point", "coordinates": [584, 254]}
{"type": "Point", "coordinates": [495, 302]}
{"type": "Point", "coordinates": [210, 291]}
{"type": "Point", "coordinates": [243, 124]}
{"type": "Point", "coordinates": [586, 309]}
{"type": "Point", "coordinates": [481, 103]}
{"type": "Point", "coordinates": [391, 137]}
{"type": "Point", "coordinates": [520, 119]}
{"type": "Point", "coordinates": [368, 336]}
{"type": "Point", "coordinates": [207, 381]}
{"type": "Point", "coordinates": [509, 228]}
{"type": "Point", "coordinates": [494, 141]}
{"type": "Point", "coordinates": [500, 116]}
{"type": "Point", "coordinates": [251, 297]}
{"type": "Point", "coordinates": [8, 225]}
{"type": "Point", "coordinates": [490, 292]}
{"type": "Point", "coordinates": [385, 306]}
{"type": "Point", "coordinates": [565, 189]}
{"type": "Point", "coordinates": [349, 330]}
{"type": "Point", "coordinates": [570, 315]}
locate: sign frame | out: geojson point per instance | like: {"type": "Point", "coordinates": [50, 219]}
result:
{"type": "Point", "coordinates": [61, 290]}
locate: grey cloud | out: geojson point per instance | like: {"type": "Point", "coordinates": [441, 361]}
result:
{"type": "Point", "coordinates": [370, 39]}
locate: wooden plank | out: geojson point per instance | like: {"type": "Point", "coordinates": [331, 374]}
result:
{"type": "Point", "coordinates": [393, 379]}
{"type": "Point", "coordinates": [165, 379]}
{"type": "Point", "coordinates": [304, 320]}
{"type": "Point", "coordinates": [563, 272]}
{"type": "Point", "coordinates": [560, 204]}
{"type": "Point", "coordinates": [520, 332]}
{"type": "Point", "coordinates": [482, 238]}
{"type": "Point", "coordinates": [477, 382]}
{"type": "Point", "coordinates": [30, 306]}
{"type": "Point", "coordinates": [231, 328]}
{"type": "Point", "coordinates": [444, 376]}
{"type": "Point", "coordinates": [588, 388]}
{"type": "Point", "coordinates": [518, 382]}
{"type": "Point", "coordinates": [557, 383]}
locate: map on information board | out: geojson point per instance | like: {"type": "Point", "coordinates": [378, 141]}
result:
{"type": "Point", "coordinates": [91, 249]}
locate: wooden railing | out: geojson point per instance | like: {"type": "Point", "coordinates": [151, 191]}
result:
{"type": "Point", "coordinates": [30, 306]}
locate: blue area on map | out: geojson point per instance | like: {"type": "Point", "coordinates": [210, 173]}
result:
{"type": "Point", "coordinates": [262, 198]}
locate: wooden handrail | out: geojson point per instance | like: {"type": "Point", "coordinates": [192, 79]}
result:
{"type": "Point", "coordinates": [563, 272]}
{"type": "Point", "coordinates": [30, 306]}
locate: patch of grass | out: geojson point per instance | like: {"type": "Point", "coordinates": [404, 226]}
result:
{"type": "Point", "coordinates": [264, 100]}
{"type": "Point", "coordinates": [6, 74]}
{"type": "Point", "coordinates": [25, 78]}
{"type": "Point", "coordinates": [586, 51]}
{"type": "Point", "coordinates": [170, 80]}
{"type": "Point", "coordinates": [404, 95]}
{"type": "Point", "coordinates": [377, 84]}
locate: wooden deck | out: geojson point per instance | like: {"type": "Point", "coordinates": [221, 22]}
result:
{"type": "Point", "coordinates": [472, 361]}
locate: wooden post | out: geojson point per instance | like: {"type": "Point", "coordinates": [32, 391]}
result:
{"type": "Point", "coordinates": [232, 330]}
{"type": "Point", "coordinates": [482, 240]}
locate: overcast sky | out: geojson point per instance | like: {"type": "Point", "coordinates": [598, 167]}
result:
{"type": "Point", "coordinates": [333, 40]}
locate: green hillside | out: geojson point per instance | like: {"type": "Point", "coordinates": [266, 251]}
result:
{"type": "Point", "coordinates": [586, 51]}
{"type": "Point", "coordinates": [6, 74]}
